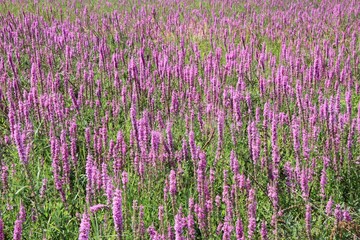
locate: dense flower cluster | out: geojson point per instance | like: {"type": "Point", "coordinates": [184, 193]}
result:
{"type": "Point", "coordinates": [179, 119]}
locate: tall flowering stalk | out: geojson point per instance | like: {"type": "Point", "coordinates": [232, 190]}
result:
{"type": "Point", "coordinates": [251, 213]}
{"type": "Point", "coordinates": [2, 234]}
{"type": "Point", "coordinates": [308, 220]}
{"type": "Point", "coordinates": [117, 213]}
{"type": "Point", "coordinates": [84, 230]}
{"type": "Point", "coordinates": [18, 226]}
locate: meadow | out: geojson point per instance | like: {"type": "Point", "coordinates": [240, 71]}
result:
{"type": "Point", "coordinates": [180, 119]}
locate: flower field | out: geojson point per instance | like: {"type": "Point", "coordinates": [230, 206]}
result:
{"type": "Point", "coordinates": [180, 119]}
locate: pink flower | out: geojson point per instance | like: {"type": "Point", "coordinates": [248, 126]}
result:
{"type": "Point", "coordinates": [117, 212]}
{"type": "Point", "coordinates": [84, 230]}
